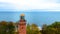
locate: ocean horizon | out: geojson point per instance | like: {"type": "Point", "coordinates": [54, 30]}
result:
{"type": "Point", "coordinates": [38, 18]}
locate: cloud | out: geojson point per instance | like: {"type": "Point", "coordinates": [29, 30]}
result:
{"type": "Point", "coordinates": [23, 5]}
{"type": "Point", "coordinates": [7, 6]}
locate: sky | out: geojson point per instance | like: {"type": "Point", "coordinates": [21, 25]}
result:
{"type": "Point", "coordinates": [29, 5]}
{"type": "Point", "coordinates": [36, 11]}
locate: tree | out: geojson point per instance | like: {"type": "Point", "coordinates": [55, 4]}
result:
{"type": "Point", "coordinates": [56, 25]}
{"type": "Point", "coordinates": [3, 27]}
{"type": "Point", "coordinates": [33, 29]}
{"type": "Point", "coordinates": [54, 28]}
{"type": "Point", "coordinates": [11, 28]}
{"type": "Point", "coordinates": [28, 29]}
{"type": "Point", "coordinates": [44, 27]}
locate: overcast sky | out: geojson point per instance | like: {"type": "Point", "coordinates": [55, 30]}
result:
{"type": "Point", "coordinates": [26, 5]}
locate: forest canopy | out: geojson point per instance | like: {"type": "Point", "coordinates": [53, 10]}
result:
{"type": "Point", "coordinates": [11, 27]}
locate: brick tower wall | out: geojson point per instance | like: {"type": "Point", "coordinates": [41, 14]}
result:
{"type": "Point", "coordinates": [22, 27]}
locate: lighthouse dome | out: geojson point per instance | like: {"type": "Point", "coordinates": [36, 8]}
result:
{"type": "Point", "coordinates": [22, 14]}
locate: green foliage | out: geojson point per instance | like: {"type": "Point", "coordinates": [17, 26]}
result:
{"type": "Point", "coordinates": [6, 27]}
{"type": "Point", "coordinates": [9, 28]}
{"type": "Point", "coordinates": [51, 29]}
{"type": "Point", "coordinates": [33, 29]}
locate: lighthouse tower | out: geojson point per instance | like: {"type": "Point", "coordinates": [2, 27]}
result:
{"type": "Point", "coordinates": [22, 24]}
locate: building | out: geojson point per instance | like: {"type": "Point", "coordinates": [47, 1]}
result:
{"type": "Point", "coordinates": [22, 25]}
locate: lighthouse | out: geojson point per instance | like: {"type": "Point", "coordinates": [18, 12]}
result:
{"type": "Point", "coordinates": [22, 24]}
